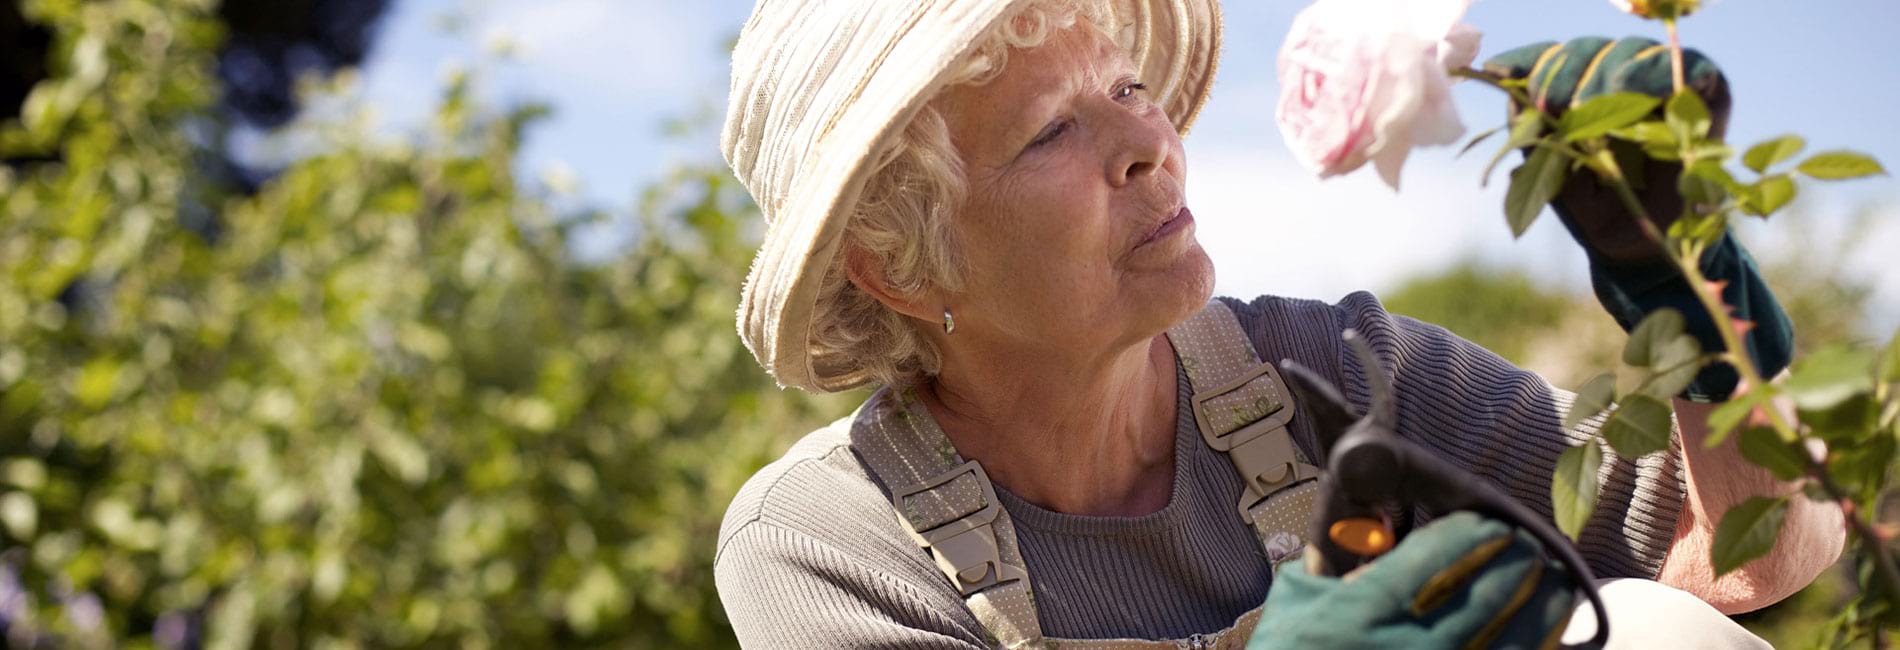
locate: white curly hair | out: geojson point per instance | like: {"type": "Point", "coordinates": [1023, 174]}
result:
{"type": "Point", "coordinates": [902, 219]}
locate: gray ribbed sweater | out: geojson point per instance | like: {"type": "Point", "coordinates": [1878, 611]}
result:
{"type": "Point", "coordinates": [811, 555]}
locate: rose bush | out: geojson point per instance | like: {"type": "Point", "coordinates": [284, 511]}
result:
{"type": "Point", "coordinates": [1365, 80]}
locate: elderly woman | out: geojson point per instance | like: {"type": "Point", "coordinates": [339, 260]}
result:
{"type": "Point", "coordinates": [978, 205]}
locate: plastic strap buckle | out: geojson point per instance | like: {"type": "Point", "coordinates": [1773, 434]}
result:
{"type": "Point", "coordinates": [965, 548]}
{"type": "Point", "coordinates": [1263, 450]}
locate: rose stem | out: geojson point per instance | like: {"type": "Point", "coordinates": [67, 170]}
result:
{"type": "Point", "coordinates": [1675, 53]}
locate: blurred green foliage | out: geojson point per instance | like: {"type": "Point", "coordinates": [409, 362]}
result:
{"type": "Point", "coordinates": [377, 404]}
{"type": "Point", "coordinates": [1502, 310]}
{"type": "Point", "coordinates": [380, 403]}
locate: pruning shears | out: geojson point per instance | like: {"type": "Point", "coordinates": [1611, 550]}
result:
{"type": "Point", "coordinates": [1370, 473]}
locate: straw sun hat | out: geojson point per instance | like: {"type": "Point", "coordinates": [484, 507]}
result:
{"type": "Point", "coordinates": [819, 87]}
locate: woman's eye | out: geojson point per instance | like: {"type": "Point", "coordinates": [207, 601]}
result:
{"type": "Point", "coordinates": [1049, 134]}
{"type": "Point", "coordinates": [1128, 90]}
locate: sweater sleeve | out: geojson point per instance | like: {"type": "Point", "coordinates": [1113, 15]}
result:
{"type": "Point", "coordinates": [783, 588]}
{"type": "Point", "coordinates": [1505, 424]}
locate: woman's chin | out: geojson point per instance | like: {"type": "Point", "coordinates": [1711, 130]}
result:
{"type": "Point", "coordinates": [1177, 291]}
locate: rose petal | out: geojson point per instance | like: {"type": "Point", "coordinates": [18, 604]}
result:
{"type": "Point", "coordinates": [1366, 80]}
{"type": "Point", "coordinates": [1461, 47]}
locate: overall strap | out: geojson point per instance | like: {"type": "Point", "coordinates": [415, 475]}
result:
{"type": "Point", "coordinates": [949, 506]}
{"type": "Point", "coordinates": [1243, 409]}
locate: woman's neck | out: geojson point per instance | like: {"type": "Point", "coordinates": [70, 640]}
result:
{"type": "Point", "coordinates": [1085, 437]}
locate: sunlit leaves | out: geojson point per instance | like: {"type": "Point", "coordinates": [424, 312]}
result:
{"type": "Point", "coordinates": [1847, 401]}
{"type": "Point", "coordinates": [1747, 531]}
{"type": "Point", "coordinates": [1655, 330]}
{"type": "Point", "coordinates": [1861, 468]}
{"type": "Point", "coordinates": [1847, 421]}
{"type": "Point", "coordinates": [1592, 399]}
{"type": "Point", "coordinates": [1687, 116]}
{"type": "Point", "coordinates": [1768, 152]}
{"type": "Point", "coordinates": [1768, 195]}
{"type": "Point", "coordinates": [1526, 128]}
{"type": "Point", "coordinates": [1659, 344]}
{"type": "Point", "coordinates": [1640, 425]}
{"type": "Point", "coordinates": [1828, 377]}
{"type": "Point", "coordinates": [1731, 414]}
{"type": "Point", "coordinates": [1533, 185]}
{"type": "Point", "coordinates": [1573, 488]}
{"type": "Point", "coordinates": [1705, 183]}
{"type": "Point", "coordinates": [377, 401]}
{"type": "Point", "coordinates": [1657, 138]}
{"type": "Point", "coordinates": [1762, 446]}
{"type": "Point", "coordinates": [1839, 165]}
{"type": "Point", "coordinates": [1603, 113]}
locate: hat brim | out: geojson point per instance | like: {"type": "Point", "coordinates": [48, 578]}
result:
{"type": "Point", "coordinates": [1176, 43]}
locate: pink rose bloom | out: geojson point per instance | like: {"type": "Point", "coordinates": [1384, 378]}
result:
{"type": "Point", "coordinates": [1365, 80]}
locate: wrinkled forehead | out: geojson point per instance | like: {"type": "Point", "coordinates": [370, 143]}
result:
{"type": "Point", "coordinates": [1035, 79]}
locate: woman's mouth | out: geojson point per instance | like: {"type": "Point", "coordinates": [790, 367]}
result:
{"type": "Point", "coordinates": [1173, 226]}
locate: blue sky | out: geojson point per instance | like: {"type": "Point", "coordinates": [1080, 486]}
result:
{"type": "Point", "coordinates": [614, 70]}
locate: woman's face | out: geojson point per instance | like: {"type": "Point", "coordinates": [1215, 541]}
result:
{"type": "Point", "coordinates": [1075, 232]}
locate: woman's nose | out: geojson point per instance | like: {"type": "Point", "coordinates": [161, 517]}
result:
{"type": "Point", "coordinates": [1141, 147]}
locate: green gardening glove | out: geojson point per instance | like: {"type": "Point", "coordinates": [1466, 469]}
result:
{"type": "Point", "coordinates": [1631, 275]}
{"type": "Point", "coordinates": [1461, 581]}
{"type": "Point", "coordinates": [1568, 74]}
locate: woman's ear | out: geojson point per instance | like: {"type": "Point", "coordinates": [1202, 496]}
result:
{"type": "Point", "coordinates": [866, 271]}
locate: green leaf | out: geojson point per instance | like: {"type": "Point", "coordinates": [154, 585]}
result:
{"type": "Point", "coordinates": [1712, 152]}
{"type": "Point", "coordinates": [1769, 195]}
{"type": "Point", "coordinates": [1481, 137]}
{"type": "Point", "coordinates": [1724, 419]}
{"type": "Point", "coordinates": [1688, 116]}
{"type": "Point", "coordinates": [1592, 398]}
{"type": "Point", "coordinates": [1654, 132]}
{"type": "Point", "coordinates": [1762, 446]}
{"type": "Point", "coordinates": [1850, 421]}
{"type": "Point", "coordinates": [1533, 185]}
{"type": "Point", "coordinates": [1768, 152]}
{"type": "Point", "coordinates": [1668, 153]}
{"type": "Point", "coordinates": [1657, 138]}
{"type": "Point", "coordinates": [1675, 364]}
{"type": "Point", "coordinates": [1682, 350]}
{"type": "Point", "coordinates": [1829, 377]}
{"type": "Point", "coordinates": [1639, 426]}
{"type": "Point", "coordinates": [1839, 165]}
{"type": "Point", "coordinates": [1598, 115]}
{"type": "Point", "coordinates": [1705, 183]}
{"type": "Point", "coordinates": [1704, 228]}
{"type": "Point", "coordinates": [1747, 531]}
{"type": "Point", "coordinates": [1862, 468]}
{"type": "Point", "coordinates": [1657, 329]}
{"type": "Point", "coordinates": [1526, 128]}
{"type": "Point", "coordinates": [1573, 487]}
